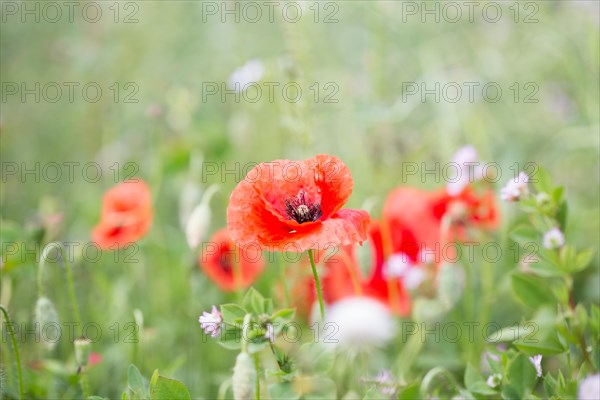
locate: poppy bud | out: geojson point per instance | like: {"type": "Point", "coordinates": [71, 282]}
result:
{"type": "Point", "coordinates": [199, 220]}
{"type": "Point", "coordinates": [45, 315]}
{"type": "Point", "coordinates": [83, 347]}
{"type": "Point", "coordinates": [244, 377]}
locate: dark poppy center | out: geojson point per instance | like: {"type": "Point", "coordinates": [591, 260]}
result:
{"type": "Point", "coordinates": [225, 261]}
{"type": "Point", "coordinates": [301, 211]}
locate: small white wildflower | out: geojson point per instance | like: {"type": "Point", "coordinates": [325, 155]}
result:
{"type": "Point", "coordinates": [251, 72]}
{"type": "Point", "coordinates": [360, 321]}
{"type": "Point", "coordinates": [270, 333]}
{"type": "Point", "coordinates": [537, 363]}
{"type": "Point", "coordinates": [553, 239]}
{"type": "Point", "coordinates": [515, 188]}
{"type": "Point", "coordinates": [589, 388]}
{"type": "Point", "coordinates": [211, 322]}
{"type": "Point", "coordinates": [396, 265]}
{"type": "Point", "coordinates": [494, 380]}
{"type": "Point", "coordinates": [469, 170]}
{"type": "Point", "coordinates": [414, 277]}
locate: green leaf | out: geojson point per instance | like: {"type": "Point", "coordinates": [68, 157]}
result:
{"type": "Point", "coordinates": [521, 375]}
{"type": "Point", "coordinates": [409, 392]}
{"type": "Point", "coordinates": [283, 391]}
{"type": "Point", "coordinates": [561, 215]}
{"type": "Point", "coordinates": [254, 301]}
{"type": "Point", "coordinates": [582, 260]}
{"type": "Point", "coordinates": [511, 333]}
{"type": "Point", "coordinates": [162, 388]}
{"type": "Point", "coordinates": [542, 181]}
{"type": "Point", "coordinates": [475, 383]}
{"type": "Point", "coordinates": [231, 338]}
{"type": "Point", "coordinates": [531, 290]}
{"type": "Point", "coordinates": [136, 382]}
{"type": "Point", "coordinates": [524, 234]}
{"type": "Point", "coordinates": [233, 314]}
{"type": "Point", "coordinates": [472, 376]}
{"type": "Point", "coordinates": [546, 343]}
{"type": "Point", "coordinates": [483, 389]}
{"type": "Point", "coordinates": [282, 317]}
{"type": "Point", "coordinates": [510, 393]}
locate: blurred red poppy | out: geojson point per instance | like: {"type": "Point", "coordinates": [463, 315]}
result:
{"type": "Point", "coordinates": [477, 209]}
{"type": "Point", "coordinates": [220, 257]}
{"type": "Point", "coordinates": [342, 278]}
{"type": "Point", "coordinates": [126, 215]}
{"type": "Point", "coordinates": [296, 206]}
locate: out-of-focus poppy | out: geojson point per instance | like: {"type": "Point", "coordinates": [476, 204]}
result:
{"type": "Point", "coordinates": [221, 260]}
{"type": "Point", "coordinates": [343, 279]}
{"type": "Point", "coordinates": [296, 206]}
{"type": "Point", "coordinates": [126, 215]}
{"type": "Point", "coordinates": [409, 223]}
{"type": "Point", "coordinates": [469, 208]}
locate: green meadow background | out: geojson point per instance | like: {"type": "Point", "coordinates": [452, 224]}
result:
{"type": "Point", "coordinates": [368, 54]}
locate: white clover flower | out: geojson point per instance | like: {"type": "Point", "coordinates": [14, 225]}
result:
{"type": "Point", "coordinates": [553, 239]}
{"type": "Point", "coordinates": [589, 388]}
{"type": "Point", "coordinates": [537, 363]}
{"type": "Point", "coordinates": [251, 72]}
{"type": "Point", "coordinates": [270, 333]}
{"type": "Point", "coordinates": [468, 169]}
{"type": "Point", "coordinates": [211, 322]}
{"type": "Point", "coordinates": [396, 265]}
{"type": "Point", "coordinates": [359, 321]}
{"type": "Point", "coordinates": [494, 380]}
{"type": "Point", "coordinates": [515, 188]}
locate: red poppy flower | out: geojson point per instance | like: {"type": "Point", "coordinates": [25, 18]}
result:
{"type": "Point", "coordinates": [338, 282]}
{"type": "Point", "coordinates": [220, 258]}
{"type": "Point", "coordinates": [126, 215]}
{"type": "Point", "coordinates": [296, 206]}
{"type": "Point", "coordinates": [409, 223]}
{"type": "Point", "coordinates": [478, 209]}
{"type": "Point", "coordinates": [390, 291]}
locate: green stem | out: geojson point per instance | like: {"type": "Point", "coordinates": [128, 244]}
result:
{"type": "Point", "coordinates": [69, 274]}
{"type": "Point", "coordinates": [85, 384]}
{"type": "Point", "coordinates": [286, 289]}
{"type": "Point", "coordinates": [317, 284]}
{"type": "Point", "coordinates": [15, 349]}
{"type": "Point", "coordinates": [257, 367]}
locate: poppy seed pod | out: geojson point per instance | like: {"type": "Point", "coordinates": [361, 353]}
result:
{"type": "Point", "coordinates": [83, 347]}
{"type": "Point", "coordinates": [46, 318]}
{"type": "Point", "coordinates": [244, 376]}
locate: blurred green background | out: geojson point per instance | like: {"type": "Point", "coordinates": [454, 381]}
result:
{"type": "Point", "coordinates": [367, 54]}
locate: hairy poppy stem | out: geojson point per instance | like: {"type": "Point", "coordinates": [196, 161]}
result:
{"type": "Point", "coordinates": [317, 284]}
{"type": "Point", "coordinates": [15, 349]}
{"type": "Point", "coordinates": [69, 274]}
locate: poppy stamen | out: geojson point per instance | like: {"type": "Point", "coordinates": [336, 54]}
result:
{"type": "Point", "coordinates": [300, 211]}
